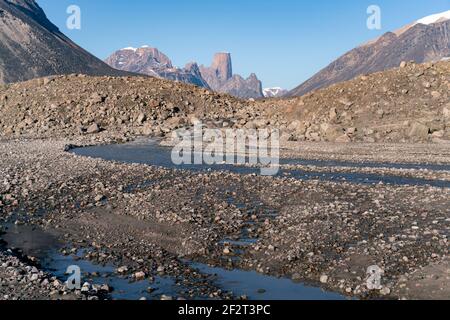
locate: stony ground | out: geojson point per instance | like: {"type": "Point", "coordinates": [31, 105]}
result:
{"type": "Point", "coordinates": [151, 219]}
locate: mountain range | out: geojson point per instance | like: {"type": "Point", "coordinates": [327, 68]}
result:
{"type": "Point", "coordinates": [218, 77]}
{"type": "Point", "coordinates": [31, 46]}
{"type": "Point", "coordinates": [425, 40]}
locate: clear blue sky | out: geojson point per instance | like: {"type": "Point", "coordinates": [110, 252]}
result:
{"type": "Point", "coordinates": [284, 41]}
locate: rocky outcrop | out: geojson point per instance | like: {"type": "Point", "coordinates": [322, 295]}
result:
{"type": "Point", "coordinates": [150, 61]}
{"type": "Point", "coordinates": [242, 88]}
{"type": "Point", "coordinates": [222, 66]}
{"type": "Point", "coordinates": [420, 42]}
{"type": "Point", "coordinates": [31, 46]}
{"type": "Point", "coordinates": [220, 78]}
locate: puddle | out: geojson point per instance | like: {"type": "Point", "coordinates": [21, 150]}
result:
{"type": "Point", "coordinates": [123, 288]}
{"type": "Point", "coordinates": [261, 287]}
{"type": "Point", "coordinates": [35, 242]}
{"type": "Point", "coordinates": [151, 153]}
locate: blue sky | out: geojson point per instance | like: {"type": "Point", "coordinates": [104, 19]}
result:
{"type": "Point", "coordinates": [284, 41]}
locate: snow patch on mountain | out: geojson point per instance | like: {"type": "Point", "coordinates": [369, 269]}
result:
{"type": "Point", "coordinates": [274, 92]}
{"type": "Point", "coordinates": [439, 17]}
{"type": "Point", "coordinates": [135, 49]}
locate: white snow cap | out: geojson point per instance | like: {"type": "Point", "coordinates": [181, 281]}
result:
{"type": "Point", "coordinates": [273, 92]}
{"type": "Point", "coordinates": [135, 49]}
{"type": "Point", "coordinates": [435, 18]}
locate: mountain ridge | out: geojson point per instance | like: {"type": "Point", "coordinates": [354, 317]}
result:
{"type": "Point", "coordinates": [31, 46]}
{"type": "Point", "coordinates": [218, 77]}
{"type": "Point", "coordinates": [415, 42]}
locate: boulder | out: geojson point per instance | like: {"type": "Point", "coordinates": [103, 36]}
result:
{"type": "Point", "coordinates": [343, 139]}
{"type": "Point", "coordinates": [93, 128]}
{"type": "Point", "coordinates": [419, 131]}
{"type": "Point", "coordinates": [141, 118]}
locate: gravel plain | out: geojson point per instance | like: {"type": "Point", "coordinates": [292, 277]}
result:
{"type": "Point", "coordinates": [150, 221]}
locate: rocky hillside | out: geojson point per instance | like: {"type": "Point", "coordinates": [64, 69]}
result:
{"type": "Point", "coordinates": [31, 46]}
{"type": "Point", "coordinates": [152, 62]}
{"type": "Point", "coordinates": [78, 104]}
{"type": "Point", "coordinates": [426, 40]}
{"type": "Point", "coordinates": [408, 104]}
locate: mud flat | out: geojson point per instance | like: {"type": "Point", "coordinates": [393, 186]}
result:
{"type": "Point", "coordinates": [141, 228]}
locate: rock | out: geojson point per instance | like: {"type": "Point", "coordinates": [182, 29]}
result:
{"type": "Point", "coordinates": [385, 291]}
{"type": "Point", "coordinates": [99, 198]}
{"type": "Point", "coordinates": [261, 291]}
{"type": "Point", "coordinates": [122, 269]}
{"type": "Point", "coordinates": [96, 98]}
{"type": "Point", "coordinates": [403, 64]}
{"type": "Point", "coordinates": [34, 277]}
{"type": "Point", "coordinates": [86, 287]}
{"type": "Point", "coordinates": [435, 94]}
{"type": "Point", "coordinates": [141, 118]}
{"type": "Point", "coordinates": [139, 275]}
{"type": "Point", "coordinates": [323, 279]}
{"type": "Point", "coordinates": [148, 129]}
{"type": "Point", "coordinates": [333, 114]}
{"type": "Point", "coordinates": [166, 298]}
{"type": "Point", "coordinates": [105, 288]}
{"type": "Point", "coordinates": [93, 128]}
{"type": "Point", "coordinates": [331, 132]}
{"type": "Point", "coordinates": [419, 130]}
{"type": "Point", "coordinates": [446, 112]}
{"type": "Point", "coordinates": [438, 134]}
{"type": "Point", "coordinates": [294, 125]}
{"type": "Point", "coordinates": [296, 277]}
{"type": "Point", "coordinates": [343, 139]}
{"type": "Point", "coordinates": [160, 269]}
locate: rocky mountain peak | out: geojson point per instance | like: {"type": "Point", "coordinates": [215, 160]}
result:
{"type": "Point", "coordinates": [222, 65]}
{"type": "Point", "coordinates": [220, 78]}
{"type": "Point", "coordinates": [144, 60]}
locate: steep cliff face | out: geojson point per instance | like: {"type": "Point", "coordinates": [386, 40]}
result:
{"type": "Point", "coordinates": [31, 46]}
{"type": "Point", "coordinates": [222, 66]}
{"type": "Point", "coordinates": [425, 40]}
{"type": "Point", "coordinates": [220, 78]}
